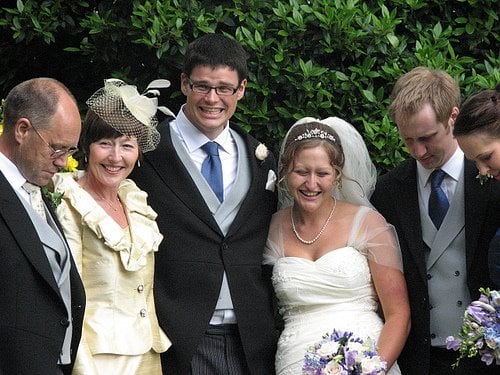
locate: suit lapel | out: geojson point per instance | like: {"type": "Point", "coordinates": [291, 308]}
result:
{"type": "Point", "coordinates": [406, 195]}
{"type": "Point", "coordinates": [451, 227]}
{"type": "Point", "coordinates": [258, 171]}
{"type": "Point", "coordinates": [165, 161]}
{"type": "Point", "coordinates": [476, 200]}
{"type": "Point", "coordinates": [24, 232]}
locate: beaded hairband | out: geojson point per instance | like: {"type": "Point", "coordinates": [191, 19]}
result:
{"type": "Point", "coordinates": [315, 133]}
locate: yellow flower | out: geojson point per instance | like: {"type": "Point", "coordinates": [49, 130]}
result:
{"type": "Point", "coordinates": [71, 164]}
{"type": "Point", "coordinates": [1, 129]}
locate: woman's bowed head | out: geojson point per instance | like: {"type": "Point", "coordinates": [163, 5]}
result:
{"type": "Point", "coordinates": [477, 130]}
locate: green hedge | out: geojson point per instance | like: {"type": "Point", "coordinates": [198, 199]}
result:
{"type": "Point", "coordinates": [307, 58]}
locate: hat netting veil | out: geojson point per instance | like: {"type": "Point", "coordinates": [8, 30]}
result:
{"type": "Point", "coordinates": [128, 112]}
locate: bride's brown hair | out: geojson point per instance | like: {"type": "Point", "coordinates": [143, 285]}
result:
{"type": "Point", "coordinates": [325, 137]}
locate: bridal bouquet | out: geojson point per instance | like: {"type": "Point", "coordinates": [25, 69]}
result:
{"type": "Point", "coordinates": [341, 353]}
{"type": "Point", "coordinates": [480, 332]}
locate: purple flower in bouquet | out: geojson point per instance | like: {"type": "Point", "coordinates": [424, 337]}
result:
{"type": "Point", "coordinates": [480, 331]}
{"type": "Point", "coordinates": [341, 353]}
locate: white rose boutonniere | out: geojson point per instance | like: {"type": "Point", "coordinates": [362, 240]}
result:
{"type": "Point", "coordinates": [261, 152]}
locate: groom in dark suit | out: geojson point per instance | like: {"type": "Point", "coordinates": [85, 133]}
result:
{"type": "Point", "coordinates": [42, 296]}
{"type": "Point", "coordinates": [213, 297]}
{"type": "Point", "coordinates": [444, 255]}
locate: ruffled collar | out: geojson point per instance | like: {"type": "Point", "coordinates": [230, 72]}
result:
{"type": "Point", "coordinates": [144, 234]}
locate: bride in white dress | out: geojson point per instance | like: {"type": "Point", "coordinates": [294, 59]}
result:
{"type": "Point", "coordinates": [337, 263]}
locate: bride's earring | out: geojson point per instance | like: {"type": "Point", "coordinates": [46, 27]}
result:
{"type": "Point", "coordinates": [338, 183]}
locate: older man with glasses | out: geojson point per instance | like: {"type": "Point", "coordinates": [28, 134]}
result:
{"type": "Point", "coordinates": [42, 294]}
{"type": "Point", "coordinates": [57, 152]}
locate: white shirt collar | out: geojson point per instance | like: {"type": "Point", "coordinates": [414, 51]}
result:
{"type": "Point", "coordinates": [11, 172]}
{"type": "Point", "coordinates": [453, 168]}
{"type": "Point", "coordinates": [194, 139]}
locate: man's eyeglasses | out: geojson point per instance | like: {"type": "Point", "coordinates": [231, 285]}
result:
{"type": "Point", "coordinates": [59, 152]}
{"type": "Point", "coordinates": [201, 88]}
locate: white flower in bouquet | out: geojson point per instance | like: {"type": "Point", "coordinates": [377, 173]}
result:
{"type": "Point", "coordinates": [328, 348]}
{"type": "Point", "coordinates": [333, 368]}
{"type": "Point", "coordinates": [341, 353]}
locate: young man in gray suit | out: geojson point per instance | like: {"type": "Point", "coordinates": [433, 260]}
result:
{"type": "Point", "coordinates": [213, 297]}
{"type": "Point", "coordinates": [42, 295]}
{"type": "Point", "coordinates": [444, 223]}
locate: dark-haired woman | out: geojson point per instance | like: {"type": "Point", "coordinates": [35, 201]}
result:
{"type": "Point", "coordinates": [113, 235]}
{"type": "Point", "coordinates": [477, 130]}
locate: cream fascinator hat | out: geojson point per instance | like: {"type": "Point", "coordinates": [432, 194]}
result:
{"type": "Point", "coordinates": [128, 112]}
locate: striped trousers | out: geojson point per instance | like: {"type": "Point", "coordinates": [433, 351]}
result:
{"type": "Point", "coordinates": [220, 352]}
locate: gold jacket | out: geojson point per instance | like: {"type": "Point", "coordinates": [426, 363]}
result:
{"type": "Point", "coordinates": [116, 265]}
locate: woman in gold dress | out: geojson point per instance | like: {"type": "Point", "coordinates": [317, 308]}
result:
{"type": "Point", "coordinates": [113, 235]}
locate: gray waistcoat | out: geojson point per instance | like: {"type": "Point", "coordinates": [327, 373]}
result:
{"type": "Point", "coordinates": [58, 256]}
{"type": "Point", "coordinates": [446, 269]}
{"type": "Point", "coordinates": [225, 212]}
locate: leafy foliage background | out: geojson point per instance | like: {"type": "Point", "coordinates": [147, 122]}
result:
{"type": "Point", "coordinates": [315, 58]}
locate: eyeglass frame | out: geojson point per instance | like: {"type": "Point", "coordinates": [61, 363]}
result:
{"type": "Point", "coordinates": [55, 154]}
{"type": "Point", "coordinates": [193, 85]}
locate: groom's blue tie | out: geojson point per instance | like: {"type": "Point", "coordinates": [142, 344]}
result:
{"type": "Point", "coordinates": [211, 169]}
{"type": "Point", "coordinates": [438, 203]}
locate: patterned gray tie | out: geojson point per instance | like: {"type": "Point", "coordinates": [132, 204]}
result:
{"type": "Point", "coordinates": [35, 198]}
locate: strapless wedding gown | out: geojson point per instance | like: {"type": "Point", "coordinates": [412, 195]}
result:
{"type": "Point", "coordinates": [315, 297]}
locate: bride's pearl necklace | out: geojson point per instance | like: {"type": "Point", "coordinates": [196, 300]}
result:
{"type": "Point", "coordinates": [309, 242]}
